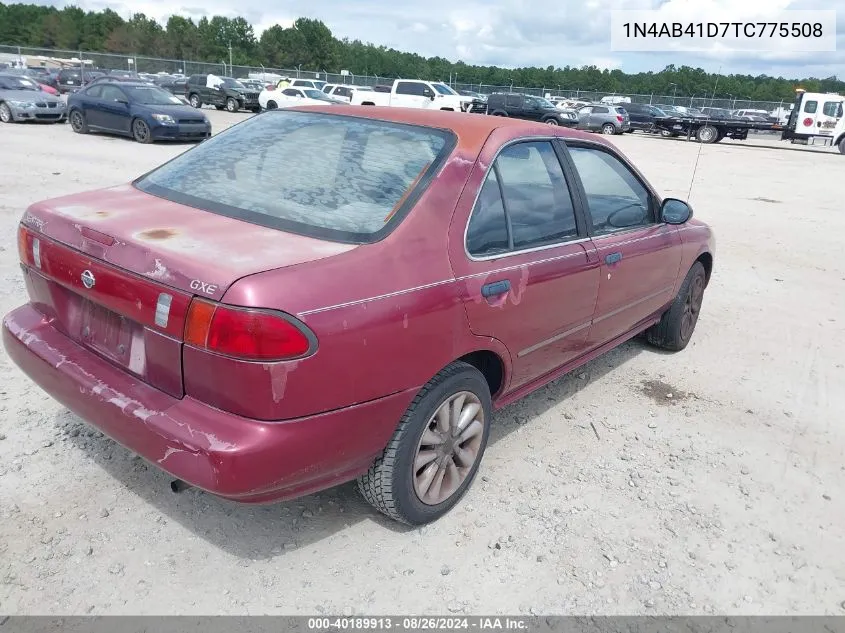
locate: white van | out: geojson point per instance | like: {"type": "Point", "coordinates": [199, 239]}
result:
{"type": "Point", "coordinates": [815, 115]}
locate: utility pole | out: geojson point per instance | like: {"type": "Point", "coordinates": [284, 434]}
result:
{"type": "Point", "coordinates": [231, 70]}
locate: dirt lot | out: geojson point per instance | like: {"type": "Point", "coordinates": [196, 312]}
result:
{"type": "Point", "coordinates": [707, 481]}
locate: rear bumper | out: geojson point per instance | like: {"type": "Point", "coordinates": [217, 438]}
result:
{"type": "Point", "coordinates": [227, 455]}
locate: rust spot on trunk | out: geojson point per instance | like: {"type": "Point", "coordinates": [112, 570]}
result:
{"type": "Point", "coordinates": [157, 234]}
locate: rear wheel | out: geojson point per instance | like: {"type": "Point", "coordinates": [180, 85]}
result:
{"type": "Point", "coordinates": [434, 454]}
{"type": "Point", "coordinates": [232, 105]}
{"type": "Point", "coordinates": [677, 324]}
{"type": "Point", "coordinates": [608, 128]}
{"type": "Point", "coordinates": [141, 131]}
{"type": "Point", "coordinates": [5, 113]}
{"type": "Point", "coordinates": [78, 122]}
{"type": "Point", "coordinates": [707, 134]}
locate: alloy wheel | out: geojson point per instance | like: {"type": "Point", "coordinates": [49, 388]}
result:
{"type": "Point", "coordinates": [448, 448]}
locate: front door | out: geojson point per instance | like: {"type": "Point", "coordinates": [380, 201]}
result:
{"type": "Point", "coordinates": [114, 109]}
{"type": "Point", "coordinates": [638, 255]}
{"type": "Point", "coordinates": [520, 258]}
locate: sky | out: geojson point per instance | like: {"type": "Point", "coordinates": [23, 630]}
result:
{"type": "Point", "coordinates": [514, 33]}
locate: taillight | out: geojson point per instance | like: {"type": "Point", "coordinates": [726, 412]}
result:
{"type": "Point", "coordinates": [29, 248]}
{"type": "Point", "coordinates": [620, 118]}
{"type": "Point", "coordinates": [246, 333]}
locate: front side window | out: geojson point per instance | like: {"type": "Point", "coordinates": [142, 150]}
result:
{"type": "Point", "coordinates": [333, 177]}
{"type": "Point", "coordinates": [112, 93]}
{"type": "Point", "coordinates": [524, 203]}
{"type": "Point", "coordinates": [617, 200]}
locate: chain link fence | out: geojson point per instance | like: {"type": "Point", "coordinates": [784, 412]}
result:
{"type": "Point", "coordinates": [153, 65]}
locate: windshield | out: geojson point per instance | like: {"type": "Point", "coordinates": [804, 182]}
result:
{"type": "Point", "coordinates": [151, 95]}
{"type": "Point", "coordinates": [443, 89]}
{"type": "Point", "coordinates": [313, 93]}
{"type": "Point", "coordinates": [349, 188]}
{"type": "Point", "coordinates": [13, 82]}
{"type": "Point", "coordinates": [233, 83]}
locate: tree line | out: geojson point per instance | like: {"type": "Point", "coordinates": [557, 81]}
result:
{"type": "Point", "coordinates": [310, 45]}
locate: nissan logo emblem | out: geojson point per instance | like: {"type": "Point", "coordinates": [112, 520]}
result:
{"type": "Point", "coordinates": [88, 279]}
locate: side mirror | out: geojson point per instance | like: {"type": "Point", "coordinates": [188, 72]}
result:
{"type": "Point", "coordinates": [674, 211]}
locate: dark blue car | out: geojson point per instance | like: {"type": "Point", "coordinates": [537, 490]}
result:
{"type": "Point", "coordinates": [140, 110]}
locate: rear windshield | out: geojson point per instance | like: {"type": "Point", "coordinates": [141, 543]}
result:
{"type": "Point", "coordinates": [334, 177]}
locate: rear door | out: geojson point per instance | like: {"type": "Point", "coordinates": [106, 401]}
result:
{"type": "Point", "coordinates": [639, 256]}
{"type": "Point", "coordinates": [584, 118]}
{"type": "Point", "coordinates": [831, 112]}
{"type": "Point", "coordinates": [517, 248]}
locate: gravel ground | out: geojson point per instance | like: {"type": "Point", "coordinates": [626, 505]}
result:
{"type": "Point", "coordinates": [710, 481]}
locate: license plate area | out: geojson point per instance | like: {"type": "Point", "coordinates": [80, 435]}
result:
{"type": "Point", "coordinates": [111, 335]}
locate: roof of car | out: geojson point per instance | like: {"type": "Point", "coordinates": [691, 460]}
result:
{"type": "Point", "coordinates": [471, 129]}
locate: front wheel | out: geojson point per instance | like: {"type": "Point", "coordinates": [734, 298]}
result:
{"type": "Point", "coordinates": [6, 113]}
{"type": "Point", "coordinates": [674, 330]}
{"type": "Point", "coordinates": [232, 105]}
{"type": "Point", "coordinates": [272, 105]}
{"type": "Point", "coordinates": [608, 128]}
{"type": "Point", "coordinates": [256, 109]}
{"type": "Point", "coordinates": [552, 122]}
{"type": "Point", "coordinates": [842, 145]}
{"type": "Point", "coordinates": [194, 100]}
{"type": "Point", "coordinates": [78, 122]}
{"type": "Point", "coordinates": [141, 131]}
{"type": "Point", "coordinates": [435, 452]}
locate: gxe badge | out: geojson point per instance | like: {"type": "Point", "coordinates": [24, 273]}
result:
{"type": "Point", "coordinates": [88, 279]}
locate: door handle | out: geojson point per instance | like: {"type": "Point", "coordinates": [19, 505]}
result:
{"type": "Point", "coordinates": [613, 258]}
{"type": "Point", "coordinates": [495, 288]}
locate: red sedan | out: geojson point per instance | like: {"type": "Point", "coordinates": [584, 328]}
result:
{"type": "Point", "coordinates": [323, 294]}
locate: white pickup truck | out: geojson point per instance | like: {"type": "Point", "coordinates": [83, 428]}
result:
{"type": "Point", "coordinates": [414, 93]}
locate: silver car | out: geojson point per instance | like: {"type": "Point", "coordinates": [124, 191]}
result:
{"type": "Point", "coordinates": [21, 99]}
{"type": "Point", "coordinates": [607, 119]}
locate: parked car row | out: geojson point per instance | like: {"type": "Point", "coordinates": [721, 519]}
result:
{"type": "Point", "coordinates": [23, 99]}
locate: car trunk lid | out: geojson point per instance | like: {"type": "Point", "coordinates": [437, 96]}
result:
{"type": "Point", "coordinates": [115, 270]}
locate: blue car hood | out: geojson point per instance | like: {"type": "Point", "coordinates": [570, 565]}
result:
{"type": "Point", "coordinates": [176, 111]}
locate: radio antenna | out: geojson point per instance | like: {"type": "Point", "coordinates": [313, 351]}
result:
{"type": "Point", "coordinates": [698, 155]}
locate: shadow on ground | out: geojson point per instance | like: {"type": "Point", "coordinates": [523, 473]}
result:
{"type": "Point", "coordinates": [261, 532]}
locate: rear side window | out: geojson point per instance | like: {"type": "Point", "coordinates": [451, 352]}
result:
{"type": "Point", "coordinates": [524, 203]}
{"type": "Point", "coordinates": [334, 177]}
{"type": "Point", "coordinates": [514, 101]}
{"type": "Point", "coordinates": [810, 107]}
{"type": "Point", "coordinates": [832, 108]}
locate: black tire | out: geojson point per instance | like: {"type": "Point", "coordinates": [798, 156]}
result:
{"type": "Point", "coordinates": [6, 115]}
{"type": "Point", "coordinates": [707, 134]}
{"type": "Point", "coordinates": [551, 121]}
{"type": "Point", "coordinates": [272, 105]}
{"type": "Point", "coordinates": [677, 324]}
{"type": "Point", "coordinates": [389, 483]}
{"type": "Point", "coordinates": [220, 107]}
{"type": "Point", "coordinates": [500, 113]}
{"type": "Point", "coordinates": [195, 101]}
{"type": "Point", "coordinates": [78, 122]}
{"type": "Point", "coordinates": [141, 131]}
{"type": "Point", "coordinates": [842, 145]}
{"type": "Point", "coordinates": [608, 128]}
{"type": "Point", "coordinates": [232, 105]}
{"type": "Point", "coordinates": [256, 109]}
